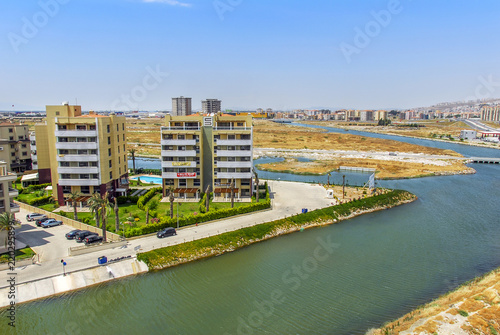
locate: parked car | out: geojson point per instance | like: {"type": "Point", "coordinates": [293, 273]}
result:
{"type": "Point", "coordinates": [91, 239]}
{"type": "Point", "coordinates": [82, 234]}
{"type": "Point", "coordinates": [34, 216]}
{"type": "Point", "coordinates": [51, 223]}
{"type": "Point", "coordinates": [72, 234]}
{"type": "Point", "coordinates": [38, 222]}
{"type": "Point", "coordinates": [169, 231]}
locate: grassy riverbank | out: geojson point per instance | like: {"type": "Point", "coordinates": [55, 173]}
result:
{"type": "Point", "coordinates": [230, 241]}
{"type": "Point", "coordinates": [472, 308]}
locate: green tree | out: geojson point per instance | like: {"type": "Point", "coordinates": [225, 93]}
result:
{"type": "Point", "coordinates": [132, 153]}
{"type": "Point", "coordinates": [105, 207]}
{"type": "Point", "coordinates": [73, 196]}
{"type": "Point", "coordinates": [95, 206]}
{"type": "Point", "coordinates": [5, 220]}
{"type": "Point", "coordinates": [232, 193]}
{"type": "Point", "coordinates": [207, 200]}
{"type": "Point", "coordinates": [171, 198]}
{"type": "Point", "coordinates": [117, 216]}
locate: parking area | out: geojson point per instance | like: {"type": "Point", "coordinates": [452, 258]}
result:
{"type": "Point", "coordinates": [48, 243]}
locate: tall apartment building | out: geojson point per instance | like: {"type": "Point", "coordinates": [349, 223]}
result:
{"type": "Point", "coordinates": [181, 106]}
{"type": "Point", "coordinates": [82, 153]}
{"type": "Point", "coordinates": [490, 113]}
{"type": "Point", "coordinates": [211, 106]}
{"type": "Point", "coordinates": [7, 193]}
{"type": "Point", "coordinates": [198, 151]}
{"type": "Point", "coordinates": [15, 147]}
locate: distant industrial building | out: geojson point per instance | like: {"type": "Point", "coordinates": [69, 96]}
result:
{"type": "Point", "coordinates": [468, 134]}
{"type": "Point", "coordinates": [181, 106]}
{"type": "Point", "coordinates": [211, 106]}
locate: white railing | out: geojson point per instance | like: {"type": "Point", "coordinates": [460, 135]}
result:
{"type": "Point", "coordinates": [71, 169]}
{"type": "Point", "coordinates": [234, 153]}
{"type": "Point", "coordinates": [77, 158]}
{"type": "Point", "coordinates": [172, 164]}
{"type": "Point", "coordinates": [75, 133]}
{"type": "Point", "coordinates": [234, 142]}
{"type": "Point", "coordinates": [235, 175]}
{"type": "Point", "coordinates": [234, 164]}
{"type": "Point", "coordinates": [76, 145]}
{"type": "Point", "coordinates": [79, 182]}
{"type": "Point", "coordinates": [178, 142]}
{"type": "Point", "coordinates": [178, 153]}
{"type": "Point", "coordinates": [180, 128]}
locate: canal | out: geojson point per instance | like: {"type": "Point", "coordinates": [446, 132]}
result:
{"type": "Point", "coordinates": [339, 279]}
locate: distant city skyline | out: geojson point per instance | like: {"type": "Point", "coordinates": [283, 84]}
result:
{"type": "Point", "coordinates": [138, 54]}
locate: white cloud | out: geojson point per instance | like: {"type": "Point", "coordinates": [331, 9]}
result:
{"type": "Point", "coordinates": [170, 2]}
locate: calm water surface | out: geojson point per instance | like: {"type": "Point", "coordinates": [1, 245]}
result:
{"type": "Point", "coordinates": [340, 279]}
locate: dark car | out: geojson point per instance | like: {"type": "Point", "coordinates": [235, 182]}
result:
{"type": "Point", "coordinates": [169, 231]}
{"type": "Point", "coordinates": [71, 234]}
{"type": "Point", "coordinates": [92, 239]}
{"type": "Point", "coordinates": [38, 222]}
{"type": "Point", "coordinates": [82, 234]}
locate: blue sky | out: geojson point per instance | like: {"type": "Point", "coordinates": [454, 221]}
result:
{"type": "Point", "coordinates": [250, 54]}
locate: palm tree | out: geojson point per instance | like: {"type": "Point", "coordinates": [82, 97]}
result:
{"type": "Point", "coordinates": [105, 207]}
{"type": "Point", "coordinates": [257, 191]}
{"type": "Point", "coordinates": [207, 201]}
{"type": "Point", "coordinates": [95, 206]}
{"type": "Point", "coordinates": [232, 193]}
{"type": "Point", "coordinates": [132, 152]}
{"type": "Point", "coordinates": [73, 196]}
{"type": "Point", "coordinates": [5, 220]}
{"type": "Point", "coordinates": [171, 198]}
{"type": "Point", "coordinates": [117, 217]}
{"type": "Point", "coordinates": [328, 178]}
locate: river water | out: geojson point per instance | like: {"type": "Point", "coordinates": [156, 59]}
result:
{"type": "Point", "coordinates": [339, 279]}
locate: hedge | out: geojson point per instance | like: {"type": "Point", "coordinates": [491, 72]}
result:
{"type": "Point", "coordinates": [124, 199]}
{"type": "Point", "coordinates": [40, 200]}
{"type": "Point", "coordinates": [143, 200]}
{"type": "Point", "coordinates": [33, 188]}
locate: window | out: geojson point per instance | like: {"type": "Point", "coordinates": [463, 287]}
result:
{"type": "Point", "coordinates": [85, 189]}
{"type": "Point", "coordinates": [12, 146]}
{"type": "Point", "coordinates": [231, 147]}
{"type": "Point", "coordinates": [13, 154]}
{"type": "Point", "coordinates": [61, 127]}
{"type": "Point", "coordinates": [63, 152]}
{"type": "Point", "coordinates": [239, 124]}
{"type": "Point", "coordinates": [65, 176]}
{"type": "Point", "coordinates": [124, 144]}
{"type": "Point", "coordinates": [181, 159]}
{"type": "Point", "coordinates": [196, 182]}
{"type": "Point", "coordinates": [118, 149]}
{"type": "Point", "coordinates": [124, 137]}
{"type": "Point", "coordinates": [25, 153]}
{"type": "Point", "coordinates": [66, 189]}
{"type": "Point", "coordinates": [81, 127]}
{"type": "Point", "coordinates": [123, 126]}
{"type": "Point", "coordinates": [95, 176]}
{"type": "Point", "coordinates": [181, 148]}
{"type": "Point", "coordinates": [169, 170]}
{"type": "Point", "coordinates": [245, 182]}
{"type": "Point", "coordinates": [84, 176]}
{"type": "Point", "coordinates": [11, 138]}
{"type": "Point", "coordinates": [168, 137]}
{"type": "Point", "coordinates": [63, 139]}
{"type": "Point", "coordinates": [231, 137]}
{"type": "Point", "coordinates": [245, 136]}
{"type": "Point", "coordinates": [93, 164]}
{"type": "Point", "coordinates": [109, 140]}
{"type": "Point", "coordinates": [117, 127]}
{"type": "Point", "coordinates": [182, 182]}
{"type": "Point", "coordinates": [82, 152]}
{"type": "Point", "coordinates": [57, 113]}
{"type": "Point", "coordinates": [119, 160]}
{"type": "Point", "coordinates": [83, 164]}
{"type": "Point", "coordinates": [81, 139]}
{"type": "Point", "coordinates": [93, 152]}
{"type": "Point", "coordinates": [110, 163]}
{"type": "Point", "coordinates": [181, 137]}
{"type": "Point", "coordinates": [109, 152]}
{"type": "Point", "coordinates": [119, 170]}
{"type": "Point", "coordinates": [111, 175]}
{"type": "Point", "coordinates": [64, 164]}
{"type": "Point", "coordinates": [168, 159]}
{"type": "Point", "coordinates": [108, 128]}
{"type": "Point", "coordinates": [117, 138]}
{"type": "Point", "coordinates": [11, 130]}
{"type": "Point", "coordinates": [92, 127]}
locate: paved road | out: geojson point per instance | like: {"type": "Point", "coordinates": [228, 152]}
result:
{"type": "Point", "coordinates": [479, 125]}
{"type": "Point", "coordinates": [288, 198]}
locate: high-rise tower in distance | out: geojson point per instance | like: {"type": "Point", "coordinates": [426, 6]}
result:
{"type": "Point", "coordinates": [211, 106]}
{"type": "Point", "coordinates": [181, 106]}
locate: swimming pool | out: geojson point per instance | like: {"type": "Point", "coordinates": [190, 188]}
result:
{"type": "Point", "coordinates": [148, 179]}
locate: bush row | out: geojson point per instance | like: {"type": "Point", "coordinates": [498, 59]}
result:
{"type": "Point", "coordinates": [33, 188]}
{"type": "Point", "coordinates": [143, 200]}
{"type": "Point", "coordinates": [123, 200]}
{"type": "Point", "coordinates": [40, 200]}
{"type": "Point", "coordinates": [193, 219]}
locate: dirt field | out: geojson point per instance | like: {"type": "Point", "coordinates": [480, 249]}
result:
{"type": "Point", "coordinates": [385, 169]}
{"type": "Point", "coordinates": [268, 134]}
{"type": "Point", "coordinates": [473, 308]}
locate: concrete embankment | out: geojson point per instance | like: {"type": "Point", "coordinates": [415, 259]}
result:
{"type": "Point", "coordinates": [46, 287]}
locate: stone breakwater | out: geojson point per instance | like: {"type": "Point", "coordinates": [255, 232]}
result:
{"type": "Point", "coordinates": [194, 254]}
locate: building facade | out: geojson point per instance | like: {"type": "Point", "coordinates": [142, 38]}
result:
{"type": "Point", "coordinates": [200, 151]}
{"type": "Point", "coordinates": [211, 106]}
{"type": "Point", "coordinates": [490, 113]}
{"type": "Point", "coordinates": [15, 147]}
{"type": "Point", "coordinates": [181, 106]}
{"type": "Point", "coordinates": [7, 193]}
{"type": "Point", "coordinates": [82, 153]}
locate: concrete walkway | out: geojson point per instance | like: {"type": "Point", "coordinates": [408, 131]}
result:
{"type": "Point", "coordinates": [288, 198]}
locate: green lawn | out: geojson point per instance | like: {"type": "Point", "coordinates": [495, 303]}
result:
{"type": "Point", "coordinates": [131, 210]}
{"type": "Point", "coordinates": [20, 254]}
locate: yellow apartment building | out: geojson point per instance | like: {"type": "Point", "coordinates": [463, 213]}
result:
{"type": "Point", "coordinates": [82, 153]}
{"type": "Point", "coordinates": [15, 147]}
{"type": "Point", "coordinates": [202, 150]}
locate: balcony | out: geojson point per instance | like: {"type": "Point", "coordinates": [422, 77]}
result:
{"type": "Point", "coordinates": [178, 142]}
{"type": "Point", "coordinates": [74, 169]}
{"type": "Point", "coordinates": [233, 175]}
{"type": "Point", "coordinates": [77, 158]}
{"type": "Point", "coordinates": [34, 166]}
{"type": "Point", "coordinates": [13, 192]}
{"type": "Point", "coordinates": [76, 145]}
{"type": "Point", "coordinates": [76, 133]}
{"type": "Point", "coordinates": [178, 164]}
{"type": "Point", "coordinates": [14, 208]}
{"type": "Point", "coordinates": [180, 128]}
{"type": "Point", "coordinates": [234, 153]}
{"type": "Point", "coordinates": [182, 175]}
{"type": "Point", "coordinates": [8, 177]}
{"type": "Point", "coordinates": [234, 164]}
{"type": "Point", "coordinates": [79, 182]}
{"type": "Point", "coordinates": [219, 128]}
{"type": "Point", "coordinates": [234, 142]}
{"type": "Point", "coordinates": [178, 153]}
